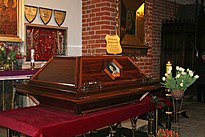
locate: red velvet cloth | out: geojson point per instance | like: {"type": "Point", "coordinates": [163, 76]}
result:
{"type": "Point", "coordinates": [43, 122]}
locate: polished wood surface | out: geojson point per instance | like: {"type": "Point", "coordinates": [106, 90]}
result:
{"type": "Point", "coordinates": [80, 85]}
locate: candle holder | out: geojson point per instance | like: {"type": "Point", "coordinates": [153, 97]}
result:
{"type": "Point", "coordinates": [32, 66]}
{"type": "Point", "coordinates": [32, 59]}
{"type": "Point", "coordinates": [168, 66]}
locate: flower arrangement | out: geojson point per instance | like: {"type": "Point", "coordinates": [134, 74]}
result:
{"type": "Point", "coordinates": [166, 133]}
{"type": "Point", "coordinates": [9, 54]}
{"type": "Point", "coordinates": [182, 80]}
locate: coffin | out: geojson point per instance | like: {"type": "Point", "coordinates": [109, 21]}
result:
{"type": "Point", "coordinates": [88, 83]}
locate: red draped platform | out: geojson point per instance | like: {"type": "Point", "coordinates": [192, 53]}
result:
{"type": "Point", "coordinates": [17, 74]}
{"type": "Point", "coordinates": [39, 121]}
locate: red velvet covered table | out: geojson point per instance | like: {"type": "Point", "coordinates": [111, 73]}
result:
{"type": "Point", "coordinates": [14, 75]}
{"type": "Point", "coordinates": [17, 74]}
{"type": "Point", "coordinates": [39, 121]}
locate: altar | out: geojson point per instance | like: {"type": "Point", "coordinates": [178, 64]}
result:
{"type": "Point", "coordinates": [10, 76]}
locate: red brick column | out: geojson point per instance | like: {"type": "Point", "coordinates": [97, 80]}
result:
{"type": "Point", "coordinates": [98, 19]}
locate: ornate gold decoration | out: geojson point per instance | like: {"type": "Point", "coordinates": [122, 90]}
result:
{"type": "Point", "coordinates": [30, 13]}
{"type": "Point", "coordinates": [59, 16]}
{"type": "Point", "coordinates": [45, 14]}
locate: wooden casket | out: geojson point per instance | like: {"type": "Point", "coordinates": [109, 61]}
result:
{"type": "Point", "coordinates": [88, 83]}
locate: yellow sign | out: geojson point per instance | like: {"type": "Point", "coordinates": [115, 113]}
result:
{"type": "Point", "coordinates": [113, 44]}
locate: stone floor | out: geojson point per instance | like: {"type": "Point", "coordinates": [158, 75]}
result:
{"type": "Point", "coordinates": [194, 126]}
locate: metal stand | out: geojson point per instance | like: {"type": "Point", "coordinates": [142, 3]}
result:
{"type": "Point", "coordinates": [153, 123]}
{"type": "Point", "coordinates": [156, 120]}
{"type": "Point", "coordinates": [134, 125]}
{"type": "Point", "coordinates": [177, 109]}
{"type": "Point", "coordinates": [8, 132]}
{"type": "Point", "coordinates": [168, 111]}
{"type": "Point", "coordinates": [112, 131]}
{"type": "Point", "coordinates": [151, 127]}
{"type": "Point", "coordinates": [3, 96]}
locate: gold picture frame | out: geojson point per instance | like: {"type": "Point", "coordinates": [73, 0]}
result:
{"type": "Point", "coordinates": [11, 17]}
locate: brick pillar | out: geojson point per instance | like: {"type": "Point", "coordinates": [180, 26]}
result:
{"type": "Point", "coordinates": [99, 19]}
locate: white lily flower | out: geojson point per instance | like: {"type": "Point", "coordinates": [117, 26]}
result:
{"type": "Point", "coordinates": [183, 79]}
{"type": "Point", "coordinates": [177, 67]}
{"type": "Point", "coordinates": [183, 73]}
{"type": "Point", "coordinates": [196, 76]}
{"type": "Point", "coordinates": [191, 73]}
{"type": "Point", "coordinates": [2, 48]}
{"type": "Point", "coordinates": [182, 69]}
{"type": "Point", "coordinates": [178, 76]}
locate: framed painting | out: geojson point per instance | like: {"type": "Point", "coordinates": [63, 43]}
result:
{"type": "Point", "coordinates": [113, 69]}
{"type": "Point", "coordinates": [11, 20]}
{"type": "Point", "coordinates": [131, 21]}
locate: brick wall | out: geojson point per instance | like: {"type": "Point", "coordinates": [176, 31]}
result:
{"type": "Point", "coordinates": [157, 10]}
{"type": "Point", "coordinates": [99, 19]}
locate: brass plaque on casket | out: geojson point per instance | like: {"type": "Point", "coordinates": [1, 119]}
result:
{"type": "Point", "coordinates": [30, 13]}
{"type": "Point", "coordinates": [59, 16]}
{"type": "Point", "coordinates": [45, 14]}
